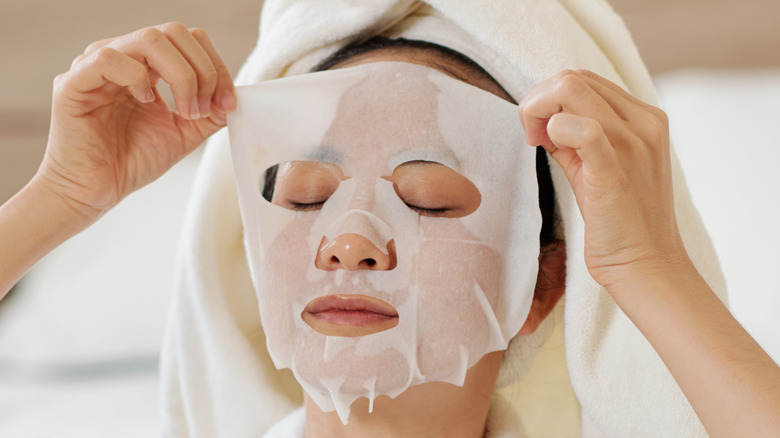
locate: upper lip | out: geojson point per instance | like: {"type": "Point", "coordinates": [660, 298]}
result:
{"type": "Point", "coordinates": [350, 302]}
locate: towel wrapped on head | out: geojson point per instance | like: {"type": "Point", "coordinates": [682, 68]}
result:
{"type": "Point", "coordinates": [218, 379]}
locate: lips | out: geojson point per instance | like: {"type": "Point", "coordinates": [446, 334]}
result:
{"type": "Point", "coordinates": [349, 315]}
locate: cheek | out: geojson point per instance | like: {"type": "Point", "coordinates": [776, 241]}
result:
{"type": "Point", "coordinates": [283, 271]}
{"type": "Point", "coordinates": [289, 250]}
{"type": "Point", "coordinates": [458, 280]}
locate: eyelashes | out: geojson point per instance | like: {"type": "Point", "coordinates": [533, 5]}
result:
{"type": "Point", "coordinates": [301, 206]}
{"type": "Point", "coordinates": [314, 206]}
{"type": "Point", "coordinates": [433, 212]}
{"type": "Point", "coordinates": [429, 189]}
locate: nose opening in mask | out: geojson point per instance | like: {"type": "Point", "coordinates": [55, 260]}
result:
{"type": "Point", "coordinates": [354, 252]}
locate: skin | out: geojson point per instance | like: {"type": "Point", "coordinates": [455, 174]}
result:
{"type": "Point", "coordinates": [613, 148]}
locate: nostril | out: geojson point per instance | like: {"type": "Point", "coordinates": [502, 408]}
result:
{"type": "Point", "coordinates": [369, 262]}
{"type": "Point", "coordinates": [335, 259]}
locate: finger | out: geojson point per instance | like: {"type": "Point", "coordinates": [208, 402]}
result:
{"type": "Point", "coordinates": [153, 48]}
{"type": "Point", "coordinates": [96, 45]}
{"type": "Point", "coordinates": [626, 106]}
{"type": "Point", "coordinates": [181, 37]}
{"type": "Point", "coordinates": [568, 92]}
{"type": "Point", "coordinates": [224, 98]}
{"type": "Point", "coordinates": [613, 87]}
{"type": "Point", "coordinates": [197, 131]}
{"type": "Point", "coordinates": [649, 122]}
{"type": "Point", "coordinates": [108, 65]}
{"type": "Point", "coordinates": [585, 136]}
{"type": "Point", "coordinates": [92, 48]}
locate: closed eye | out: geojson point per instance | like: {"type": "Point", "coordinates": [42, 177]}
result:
{"type": "Point", "coordinates": [434, 190]}
{"type": "Point", "coordinates": [428, 211]}
{"type": "Point", "coordinates": [302, 206]}
{"type": "Point", "coordinates": [301, 185]}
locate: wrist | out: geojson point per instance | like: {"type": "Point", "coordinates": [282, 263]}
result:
{"type": "Point", "coordinates": [651, 275]}
{"type": "Point", "coordinates": [71, 213]}
{"type": "Point", "coordinates": [32, 223]}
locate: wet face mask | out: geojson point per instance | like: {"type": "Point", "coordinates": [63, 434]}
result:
{"type": "Point", "coordinates": [391, 223]}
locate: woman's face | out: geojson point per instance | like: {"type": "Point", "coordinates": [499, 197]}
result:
{"type": "Point", "coordinates": [384, 246]}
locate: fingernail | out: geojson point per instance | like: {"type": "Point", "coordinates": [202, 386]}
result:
{"type": "Point", "coordinates": [228, 100]}
{"type": "Point", "coordinates": [205, 108]}
{"type": "Point", "coordinates": [150, 97]}
{"type": "Point", "coordinates": [194, 111]}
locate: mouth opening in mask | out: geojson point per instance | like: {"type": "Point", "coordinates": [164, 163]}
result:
{"type": "Point", "coordinates": [349, 315]}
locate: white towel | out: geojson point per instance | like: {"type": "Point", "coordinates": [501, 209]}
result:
{"type": "Point", "coordinates": [217, 377]}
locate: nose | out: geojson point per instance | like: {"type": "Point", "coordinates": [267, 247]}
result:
{"type": "Point", "coordinates": [354, 252]}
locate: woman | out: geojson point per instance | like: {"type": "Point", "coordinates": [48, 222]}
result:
{"type": "Point", "coordinates": [111, 134]}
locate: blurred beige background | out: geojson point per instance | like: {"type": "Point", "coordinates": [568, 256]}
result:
{"type": "Point", "coordinates": [79, 342]}
{"type": "Point", "coordinates": [39, 38]}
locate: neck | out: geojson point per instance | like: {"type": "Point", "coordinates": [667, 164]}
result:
{"type": "Point", "coordinates": [428, 410]}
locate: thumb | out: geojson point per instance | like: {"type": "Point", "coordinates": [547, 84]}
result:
{"type": "Point", "coordinates": [580, 142]}
{"type": "Point", "coordinates": [195, 132]}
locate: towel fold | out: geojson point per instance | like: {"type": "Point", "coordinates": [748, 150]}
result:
{"type": "Point", "coordinates": [217, 377]}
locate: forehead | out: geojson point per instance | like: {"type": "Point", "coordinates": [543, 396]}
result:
{"type": "Point", "coordinates": [381, 113]}
{"type": "Point", "coordinates": [391, 113]}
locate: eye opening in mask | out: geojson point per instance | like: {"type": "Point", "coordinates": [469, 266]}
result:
{"type": "Point", "coordinates": [301, 185]}
{"type": "Point", "coordinates": [435, 190]}
{"type": "Point", "coordinates": [426, 187]}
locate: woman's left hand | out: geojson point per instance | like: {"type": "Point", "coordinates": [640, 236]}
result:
{"type": "Point", "coordinates": [614, 150]}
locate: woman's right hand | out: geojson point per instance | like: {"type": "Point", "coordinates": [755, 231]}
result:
{"type": "Point", "coordinates": [111, 132]}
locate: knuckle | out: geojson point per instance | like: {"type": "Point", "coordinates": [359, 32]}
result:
{"type": "Point", "coordinates": [94, 46]}
{"type": "Point", "coordinates": [564, 76]}
{"type": "Point", "coordinates": [656, 127]}
{"type": "Point", "coordinates": [198, 33]}
{"type": "Point", "coordinates": [222, 71]}
{"type": "Point", "coordinates": [90, 47]}
{"type": "Point", "coordinates": [149, 35]}
{"type": "Point", "coordinates": [106, 55]}
{"type": "Point", "coordinates": [59, 81]}
{"type": "Point", "coordinates": [663, 118]}
{"type": "Point", "coordinates": [174, 28]}
{"type": "Point", "coordinates": [78, 60]}
{"type": "Point", "coordinates": [572, 87]}
{"type": "Point", "coordinates": [565, 72]}
{"type": "Point", "coordinates": [586, 73]}
{"type": "Point", "coordinates": [209, 77]}
{"type": "Point", "coordinates": [571, 83]}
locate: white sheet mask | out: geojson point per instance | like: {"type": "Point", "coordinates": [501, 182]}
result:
{"type": "Point", "coordinates": [462, 286]}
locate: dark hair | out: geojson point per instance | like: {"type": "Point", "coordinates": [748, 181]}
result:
{"type": "Point", "coordinates": [269, 182]}
{"type": "Point", "coordinates": [383, 43]}
{"type": "Point", "coordinates": [546, 191]}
